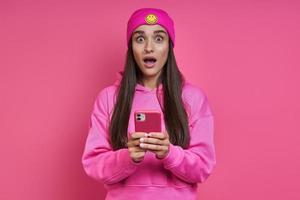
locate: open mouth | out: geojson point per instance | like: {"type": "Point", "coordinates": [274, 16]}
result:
{"type": "Point", "coordinates": [149, 62]}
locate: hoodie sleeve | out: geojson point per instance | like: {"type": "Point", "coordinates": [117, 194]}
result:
{"type": "Point", "coordinates": [195, 164]}
{"type": "Point", "coordinates": [99, 160]}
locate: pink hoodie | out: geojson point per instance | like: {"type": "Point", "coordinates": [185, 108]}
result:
{"type": "Point", "coordinates": [174, 177]}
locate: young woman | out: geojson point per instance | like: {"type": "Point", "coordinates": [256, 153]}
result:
{"type": "Point", "coordinates": [154, 165]}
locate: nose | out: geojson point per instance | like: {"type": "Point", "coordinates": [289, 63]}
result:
{"type": "Point", "coordinates": [148, 46]}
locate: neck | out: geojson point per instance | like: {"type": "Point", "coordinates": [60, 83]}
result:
{"type": "Point", "coordinates": [149, 82]}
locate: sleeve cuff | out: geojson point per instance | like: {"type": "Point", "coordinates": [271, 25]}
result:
{"type": "Point", "coordinates": [174, 156]}
{"type": "Point", "coordinates": [129, 164]}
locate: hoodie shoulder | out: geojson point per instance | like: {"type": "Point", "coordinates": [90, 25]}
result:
{"type": "Point", "coordinates": [106, 98]}
{"type": "Point", "coordinates": [110, 92]}
{"type": "Point", "coordinates": [196, 100]}
{"type": "Point", "coordinates": [192, 91]}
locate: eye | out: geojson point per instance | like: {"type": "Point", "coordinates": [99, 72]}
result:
{"type": "Point", "coordinates": [159, 38]}
{"type": "Point", "coordinates": [139, 39]}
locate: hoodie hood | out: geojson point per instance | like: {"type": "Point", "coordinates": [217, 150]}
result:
{"type": "Point", "coordinates": [138, 87]}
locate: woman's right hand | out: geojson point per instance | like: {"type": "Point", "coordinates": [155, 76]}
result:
{"type": "Point", "coordinates": [136, 152]}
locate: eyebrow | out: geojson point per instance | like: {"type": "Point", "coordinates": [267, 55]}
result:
{"type": "Point", "coordinates": [143, 32]}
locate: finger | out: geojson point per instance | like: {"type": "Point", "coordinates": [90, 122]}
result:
{"type": "Point", "coordinates": [136, 149]}
{"type": "Point", "coordinates": [134, 142]}
{"type": "Point", "coordinates": [158, 135]}
{"type": "Point", "coordinates": [154, 141]}
{"type": "Point", "coordinates": [153, 147]}
{"type": "Point", "coordinates": [137, 135]}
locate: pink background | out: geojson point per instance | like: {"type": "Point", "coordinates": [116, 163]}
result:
{"type": "Point", "coordinates": [55, 56]}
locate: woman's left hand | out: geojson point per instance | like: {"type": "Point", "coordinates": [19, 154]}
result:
{"type": "Point", "coordinates": [157, 143]}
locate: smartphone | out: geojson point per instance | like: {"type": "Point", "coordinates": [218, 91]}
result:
{"type": "Point", "coordinates": [147, 121]}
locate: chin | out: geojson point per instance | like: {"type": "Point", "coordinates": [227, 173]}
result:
{"type": "Point", "coordinates": [150, 72]}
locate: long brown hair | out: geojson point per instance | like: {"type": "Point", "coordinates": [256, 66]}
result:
{"type": "Point", "coordinates": [175, 115]}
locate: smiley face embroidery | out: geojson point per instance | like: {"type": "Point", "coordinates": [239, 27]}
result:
{"type": "Point", "coordinates": [151, 19]}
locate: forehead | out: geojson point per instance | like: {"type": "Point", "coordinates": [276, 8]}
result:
{"type": "Point", "coordinates": [149, 29]}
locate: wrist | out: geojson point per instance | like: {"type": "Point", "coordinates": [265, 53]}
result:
{"type": "Point", "coordinates": [162, 157]}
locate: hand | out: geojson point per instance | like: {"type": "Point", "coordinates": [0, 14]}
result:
{"type": "Point", "coordinates": [157, 143]}
{"type": "Point", "coordinates": [136, 153]}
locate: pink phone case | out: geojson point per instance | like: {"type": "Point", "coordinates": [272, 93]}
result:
{"type": "Point", "coordinates": [147, 121]}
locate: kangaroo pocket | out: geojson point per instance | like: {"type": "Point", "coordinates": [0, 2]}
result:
{"type": "Point", "coordinates": [149, 172]}
{"type": "Point", "coordinates": [176, 181]}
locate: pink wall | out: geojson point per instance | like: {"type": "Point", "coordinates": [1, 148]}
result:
{"type": "Point", "coordinates": [55, 56]}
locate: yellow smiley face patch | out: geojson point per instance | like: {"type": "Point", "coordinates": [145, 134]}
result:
{"type": "Point", "coordinates": [151, 19]}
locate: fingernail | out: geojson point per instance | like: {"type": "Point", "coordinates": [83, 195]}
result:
{"type": "Point", "coordinates": [142, 139]}
{"type": "Point", "coordinates": [142, 145]}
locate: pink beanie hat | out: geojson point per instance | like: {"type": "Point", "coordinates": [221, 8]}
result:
{"type": "Point", "coordinates": [150, 16]}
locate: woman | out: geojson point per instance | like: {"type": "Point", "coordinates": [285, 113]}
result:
{"type": "Point", "coordinates": [161, 165]}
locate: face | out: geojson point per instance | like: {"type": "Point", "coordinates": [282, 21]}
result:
{"type": "Point", "coordinates": [150, 45]}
